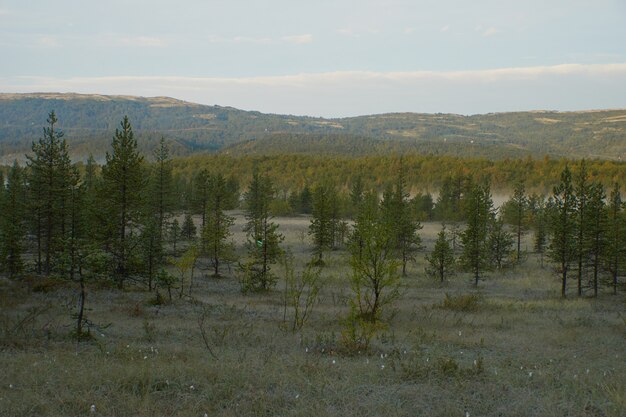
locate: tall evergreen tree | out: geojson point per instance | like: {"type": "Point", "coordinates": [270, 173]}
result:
{"type": "Point", "coordinates": [188, 230]}
{"type": "Point", "coordinates": [161, 193]}
{"type": "Point", "coordinates": [615, 252]}
{"type": "Point", "coordinates": [500, 244]}
{"type": "Point", "coordinates": [514, 213]}
{"type": "Point", "coordinates": [51, 178]}
{"type": "Point", "coordinates": [562, 249]}
{"type": "Point", "coordinates": [121, 198]}
{"type": "Point", "coordinates": [201, 195]}
{"type": "Point", "coordinates": [217, 228]}
{"type": "Point", "coordinates": [263, 236]}
{"type": "Point", "coordinates": [582, 190]}
{"type": "Point", "coordinates": [540, 217]}
{"type": "Point", "coordinates": [479, 214]}
{"type": "Point", "coordinates": [441, 259]}
{"type": "Point", "coordinates": [597, 233]}
{"type": "Point", "coordinates": [322, 224]}
{"type": "Point", "coordinates": [12, 222]}
{"type": "Point", "coordinates": [396, 209]}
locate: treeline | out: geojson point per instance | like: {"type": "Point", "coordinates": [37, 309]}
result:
{"type": "Point", "coordinates": [424, 173]}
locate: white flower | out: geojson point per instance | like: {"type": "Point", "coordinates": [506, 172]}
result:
{"type": "Point", "coordinates": [92, 408]}
{"type": "Point", "coordinates": [382, 366]}
{"type": "Point", "coordinates": [306, 350]}
{"type": "Point", "coordinates": [145, 357]}
{"type": "Point", "coordinates": [459, 333]}
{"type": "Point", "coordinates": [297, 396]}
{"type": "Point", "coordinates": [530, 374]}
{"type": "Point", "coordinates": [191, 387]}
{"type": "Point", "coordinates": [334, 362]}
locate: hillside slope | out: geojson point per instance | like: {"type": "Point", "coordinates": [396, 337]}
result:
{"type": "Point", "coordinates": [89, 122]}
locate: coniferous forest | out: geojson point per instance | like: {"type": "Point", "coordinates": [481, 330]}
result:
{"type": "Point", "coordinates": [221, 282]}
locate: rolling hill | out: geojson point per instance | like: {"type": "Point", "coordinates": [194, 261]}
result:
{"type": "Point", "coordinates": [89, 122]}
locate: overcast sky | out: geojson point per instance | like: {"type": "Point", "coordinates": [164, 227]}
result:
{"type": "Point", "coordinates": [324, 57]}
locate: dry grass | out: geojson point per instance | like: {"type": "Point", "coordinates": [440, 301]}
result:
{"type": "Point", "coordinates": [518, 351]}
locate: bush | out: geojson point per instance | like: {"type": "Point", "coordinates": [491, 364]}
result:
{"type": "Point", "coordinates": [466, 302]}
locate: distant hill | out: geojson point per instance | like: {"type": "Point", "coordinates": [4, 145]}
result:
{"type": "Point", "coordinates": [89, 122]}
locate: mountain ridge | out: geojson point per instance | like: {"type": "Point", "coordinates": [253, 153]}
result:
{"type": "Point", "coordinates": [89, 121]}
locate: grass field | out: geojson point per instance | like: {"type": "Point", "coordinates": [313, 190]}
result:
{"type": "Point", "coordinates": [514, 348]}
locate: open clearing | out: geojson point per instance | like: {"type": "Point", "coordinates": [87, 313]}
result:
{"type": "Point", "coordinates": [517, 350]}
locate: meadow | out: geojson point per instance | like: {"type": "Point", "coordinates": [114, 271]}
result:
{"type": "Point", "coordinates": [511, 347]}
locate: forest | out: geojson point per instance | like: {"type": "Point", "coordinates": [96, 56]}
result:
{"type": "Point", "coordinates": [308, 267]}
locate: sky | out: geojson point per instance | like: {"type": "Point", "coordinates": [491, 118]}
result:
{"type": "Point", "coordinates": [331, 58]}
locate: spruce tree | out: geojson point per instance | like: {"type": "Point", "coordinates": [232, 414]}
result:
{"type": "Point", "coordinates": [441, 259]}
{"type": "Point", "coordinates": [562, 248]}
{"type": "Point", "coordinates": [121, 198]}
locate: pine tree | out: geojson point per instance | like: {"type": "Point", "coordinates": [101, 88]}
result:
{"type": "Point", "coordinates": [615, 252]}
{"type": "Point", "coordinates": [51, 178]}
{"type": "Point", "coordinates": [262, 233]}
{"type": "Point", "coordinates": [500, 244]}
{"type": "Point", "coordinates": [540, 225]}
{"type": "Point", "coordinates": [441, 259]}
{"type": "Point", "coordinates": [562, 249]}
{"type": "Point", "coordinates": [479, 214]}
{"type": "Point", "coordinates": [357, 190]}
{"type": "Point", "coordinates": [174, 234]}
{"type": "Point", "coordinates": [121, 197]}
{"type": "Point", "coordinates": [12, 222]}
{"type": "Point", "coordinates": [201, 195]}
{"type": "Point", "coordinates": [161, 193]}
{"type": "Point", "coordinates": [514, 213]}
{"type": "Point", "coordinates": [582, 190]}
{"type": "Point", "coordinates": [397, 211]}
{"type": "Point", "coordinates": [322, 221]}
{"type": "Point", "coordinates": [188, 230]}
{"type": "Point", "coordinates": [218, 224]}
{"type": "Point", "coordinates": [596, 230]}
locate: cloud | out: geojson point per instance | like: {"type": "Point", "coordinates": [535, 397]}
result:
{"type": "Point", "coordinates": [348, 93]}
{"type": "Point", "coordinates": [445, 28]}
{"type": "Point", "coordinates": [298, 39]}
{"type": "Point", "coordinates": [143, 41]}
{"type": "Point", "coordinates": [490, 31]}
{"type": "Point", "coordinates": [252, 39]}
{"type": "Point", "coordinates": [347, 32]}
{"type": "Point", "coordinates": [48, 42]}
